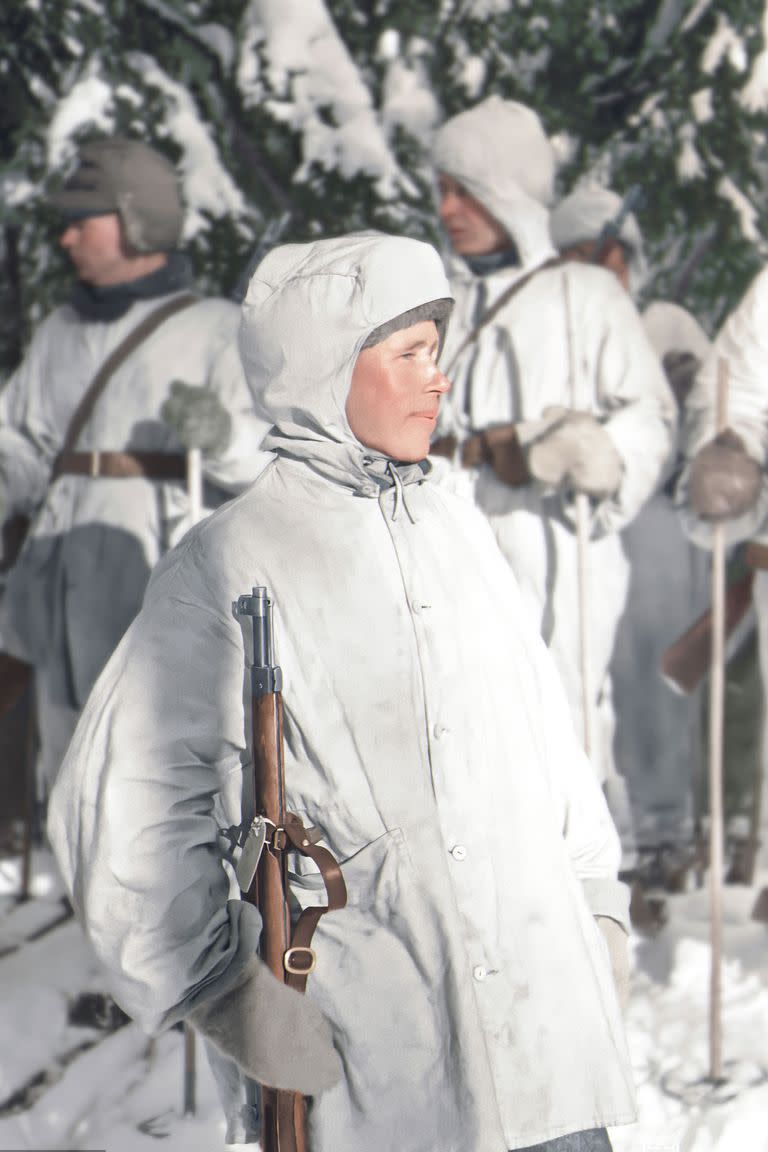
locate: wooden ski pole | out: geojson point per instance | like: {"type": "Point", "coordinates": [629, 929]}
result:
{"type": "Point", "coordinates": [716, 718]}
{"type": "Point", "coordinates": [582, 546]}
{"type": "Point", "coordinates": [30, 794]}
{"type": "Point", "coordinates": [195, 494]}
{"type": "Point", "coordinates": [190, 1071]}
{"type": "Point", "coordinates": [195, 484]}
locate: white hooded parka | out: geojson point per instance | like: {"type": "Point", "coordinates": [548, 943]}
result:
{"type": "Point", "coordinates": [658, 732]}
{"type": "Point", "coordinates": [80, 579]}
{"type": "Point", "coordinates": [570, 337]}
{"type": "Point", "coordinates": [426, 736]}
{"type": "Point", "coordinates": [742, 343]}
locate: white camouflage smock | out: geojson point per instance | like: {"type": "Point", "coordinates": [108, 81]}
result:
{"type": "Point", "coordinates": [571, 337]}
{"type": "Point", "coordinates": [658, 731]}
{"type": "Point", "coordinates": [742, 343]}
{"type": "Point", "coordinates": [467, 984]}
{"type": "Point", "coordinates": [81, 577]}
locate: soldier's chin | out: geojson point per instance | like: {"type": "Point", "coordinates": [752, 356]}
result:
{"type": "Point", "coordinates": [414, 450]}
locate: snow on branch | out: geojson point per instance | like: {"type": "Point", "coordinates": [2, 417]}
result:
{"type": "Point", "coordinates": [89, 101]}
{"type": "Point", "coordinates": [724, 42]}
{"type": "Point", "coordinates": [312, 85]}
{"type": "Point", "coordinates": [754, 95]}
{"type": "Point", "coordinates": [744, 209]}
{"type": "Point", "coordinates": [208, 187]}
{"type": "Point", "coordinates": [695, 14]}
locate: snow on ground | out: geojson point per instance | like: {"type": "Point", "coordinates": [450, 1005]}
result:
{"type": "Point", "coordinates": [64, 1086]}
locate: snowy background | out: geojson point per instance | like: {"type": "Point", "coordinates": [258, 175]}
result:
{"type": "Point", "coordinates": [73, 1087]}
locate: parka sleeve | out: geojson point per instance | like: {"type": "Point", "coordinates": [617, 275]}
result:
{"type": "Point", "coordinates": [135, 813]}
{"type": "Point", "coordinates": [743, 344]}
{"type": "Point", "coordinates": [27, 445]}
{"type": "Point", "coordinates": [638, 405]}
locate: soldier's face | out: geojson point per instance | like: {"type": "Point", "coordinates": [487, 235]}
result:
{"type": "Point", "coordinates": [470, 227]}
{"type": "Point", "coordinates": [95, 247]}
{"type": "Point", "coordinates": [395, 393]}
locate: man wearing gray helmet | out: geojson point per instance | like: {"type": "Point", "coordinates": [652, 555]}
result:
{"type": "Point", "coordinates": [115, 386]}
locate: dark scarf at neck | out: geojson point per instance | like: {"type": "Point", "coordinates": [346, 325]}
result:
{"type": "Point", "coordinates": [112, 301]}
{"type": "Point", "coordinates": [494, 261]}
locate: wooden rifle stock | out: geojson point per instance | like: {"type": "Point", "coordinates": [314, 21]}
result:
{"type": "Point", "coordinates": [15, 678]}
{"type": "Point", "coordinates": [686, 662]}
{"type": "Point", "coordinates": [262, 872]}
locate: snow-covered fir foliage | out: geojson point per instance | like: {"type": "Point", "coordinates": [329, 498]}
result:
{"type": "Point", "coordinates": [295, 118]}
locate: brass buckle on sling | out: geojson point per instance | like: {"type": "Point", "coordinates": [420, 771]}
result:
{"type": "Point", "coordinates": [301, 969]}
{"type": "Point", "coordinates": [95, 463]}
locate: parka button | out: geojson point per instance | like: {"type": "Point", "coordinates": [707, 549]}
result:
{"type": "Point", "coordinates": [416, 606]}
{"type": "Point", "coordinates": [439, 731]}
{"type": "Point", "coordinates": [459, 852]}
{"type": "Point", "coordinates": [479, 972]}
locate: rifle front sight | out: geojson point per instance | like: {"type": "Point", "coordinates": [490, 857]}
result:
{"type": "Point", "coordinates": [266, 676]}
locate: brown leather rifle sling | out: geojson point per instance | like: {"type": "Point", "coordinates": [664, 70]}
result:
{"type": "Point", "coordinates": [15, 674]}
{"type": "Point", "coordinates": [116, 358]}
{"type": "Point", "coordinates": [262, 868]}
{"type": "Point", "coordinates": [447, 445]}
{"type": "Point", "coordinates": [493, 311]}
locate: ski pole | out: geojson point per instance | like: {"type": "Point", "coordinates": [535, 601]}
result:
{"type": "Point", "coordinates": [582, 545]}
{"type": "Point", "coordinates": [716, 710]}
{"type": "Point", "coordinates": [195, 484]}
{"type": "Point", "coordinates": [195, 494]}
{"type": "Point", "coordinates": [190, 1071]}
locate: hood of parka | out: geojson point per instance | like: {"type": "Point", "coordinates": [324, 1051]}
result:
{"type": "Point", "coordinates": [308, 311]}
{"type": "Point", "coordinates": [499, 152]}
{"type": "Point", "coordinates": [582, 215]}
{"type": "Point", "coordinates": [671, 328]}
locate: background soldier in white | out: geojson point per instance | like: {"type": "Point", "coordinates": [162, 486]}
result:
{"type": "Point", "coordinates": [657, 742]}
{"type": "Point", "coordinates": [111, 503]}
{"type": "Point", "coordinates": [725, 475]}
{"type": "Point", "coordinates": [559, 392]}
{"type": "Point", "coordinates": [467, 985]}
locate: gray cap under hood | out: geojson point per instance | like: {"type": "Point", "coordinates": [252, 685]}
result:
{"type": "Point", "coordinates": [308, 311]}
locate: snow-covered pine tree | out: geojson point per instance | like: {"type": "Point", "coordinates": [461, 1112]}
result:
{"type": "Point", "coordinates": [157, 69]}
{"type": "Point", "coordinates": [296, 118]}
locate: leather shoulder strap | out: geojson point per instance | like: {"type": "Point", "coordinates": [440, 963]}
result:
{"type": "Point", "coordinates": [117, 356]}
{"type": "Point", "coordinates": [496, 307]}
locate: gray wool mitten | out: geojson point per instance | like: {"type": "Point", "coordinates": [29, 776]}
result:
{"type": "Point", "coordinates": [618, 949]}
{"type": "Point", "coordinates": [277, 1036]}
{"type": "Point", "coordinates": [577, 453]}
{"type": "Point", "coordinates": [724, 481]}
{"type": "Point", "coordinates": [198, 418]}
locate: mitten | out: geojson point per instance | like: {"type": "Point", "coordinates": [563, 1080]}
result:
{"type": "Point", "coordinates": [198, 418]}
{"type": "Point", "coordinates": [277, 1036]}
{"type": "Point", "coordinates": [724, 482]}
{"type": "Point", "coordinates": [504, 447]}
{"type": "Point", "coordinates": [577, 454]}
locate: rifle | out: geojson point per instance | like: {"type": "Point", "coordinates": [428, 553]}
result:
{"type": "Point", "coordinates": [262, 868]}
{"type": "Point", "coordinates": [610, 233]}
{"type": "Point", "coordinates": [686, 662]}
{"type": "Point", "coordinates": [15, 678]}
